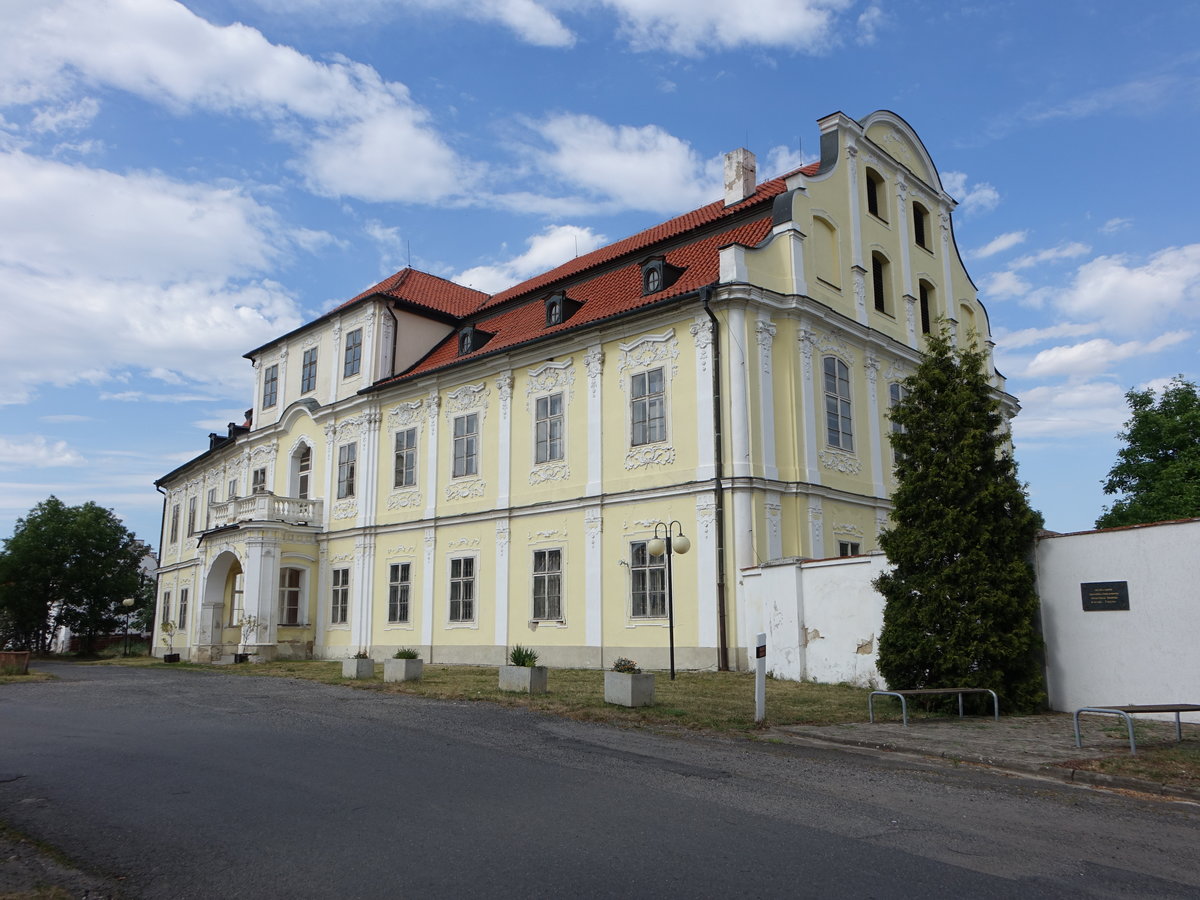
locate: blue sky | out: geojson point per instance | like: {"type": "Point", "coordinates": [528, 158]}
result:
{"type": "Point", "coordinates": [179, 183]}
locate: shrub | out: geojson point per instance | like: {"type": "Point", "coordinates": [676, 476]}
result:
{"type": "Point", "coordinates": [625, 664]}
{"type": "Point", "coordinates": [522, 656]}
{"type": "Point", "coordinates": [406, 653]}
{"type": "Point", "coordinates": [361, 654]}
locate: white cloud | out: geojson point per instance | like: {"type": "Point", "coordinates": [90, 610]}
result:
{"type": "Point", "coordinates": [869, 22]}
{"type": "Point", "coordinates": [781, 160]}
{"type": "Point", "coordinates": [552, 247]}
{"type": "Point", "coordinates": [1052, 254]}
{"type": "Point", "coordinates": [71, 116]}
{"type": "Point", "coordinates": [1027, 337]}
{"type": "Point", "coordinates": [999, 244]}
{"type": "Point", "coordinates": [37, 452]}
{"type": "Point", "coordinates": [1128, 297]}
{"type": "Point", "coordinates": [689, 28]}
{"type": "Point", "coordinates": [66, 417]}
{"type": "Point", "coordinates": [629, 167]}
{"type": "Point", "coordinates": [1092, 407]}
{"type": "Point", "coordinates": [358, 135]}
{"type": "Point", "coordinates": [1004, 285]}
{"type": "Point", "coordinates": [1112, 226]}
{"type": "Point", "coordinates": [1096, 356]}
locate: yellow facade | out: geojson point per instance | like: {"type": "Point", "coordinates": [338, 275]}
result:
{"type": "Point", "coordinates": [391, 494]}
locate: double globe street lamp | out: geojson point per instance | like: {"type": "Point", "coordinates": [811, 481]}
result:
{"type": "Point", "coordinates": [672, 541]}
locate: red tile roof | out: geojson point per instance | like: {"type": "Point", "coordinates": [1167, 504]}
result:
{"type": "Point", "coordinates": [422, 289]}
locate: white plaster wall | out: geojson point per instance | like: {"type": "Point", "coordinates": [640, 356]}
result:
{"type": "Point", "coordinates": [1146, 654]}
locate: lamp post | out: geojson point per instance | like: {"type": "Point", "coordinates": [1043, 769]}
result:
{"type": "Point", "coordinates": [128, 604]}
{"type": "Point", "coordinates": [672, 541]}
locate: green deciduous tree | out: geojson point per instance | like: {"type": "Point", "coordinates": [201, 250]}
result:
{"type": "Point", "coordinates": [67, 565]}
{"type": "Point", "coordinates": [961, 602]}
{"type": "Point", "coordinates": [1158, 470]}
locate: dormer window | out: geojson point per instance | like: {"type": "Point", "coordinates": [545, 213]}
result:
{"type": "Point", "coordinates": [658, 274]}
{"type": "Point", "coordinates": [559, 308]}
{"type": "Point", "coordinates": [471, 339]}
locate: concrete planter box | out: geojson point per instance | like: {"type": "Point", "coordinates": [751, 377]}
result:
{"type": "Point", "coordinates": [402, 669]}
{"type": "Point", "coordinates": [629, 689]}
{"type": "Point", "coordinates": [358, 668]}
{"type": "Point", "coordinates": [170, 657]}
{"type": "Point", "coordinates": [525, 679]}
{"type": "Point", "coordinates": [14, 660]}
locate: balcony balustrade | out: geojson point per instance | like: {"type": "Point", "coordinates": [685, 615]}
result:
{"type": "Point", "coordinates": [263, 506]}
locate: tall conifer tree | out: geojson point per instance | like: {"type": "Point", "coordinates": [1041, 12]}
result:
{"type": "Point", "coordinates": [961, 600]}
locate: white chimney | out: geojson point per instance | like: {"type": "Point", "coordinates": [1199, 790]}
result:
{"type": "Point", "coordinates": [741, 172]}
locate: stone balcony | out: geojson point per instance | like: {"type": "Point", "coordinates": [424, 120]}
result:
{"type": "Point", "coordinates": [263, 506]}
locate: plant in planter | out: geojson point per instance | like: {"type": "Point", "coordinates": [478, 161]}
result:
{"type": "Point", "coordinates": [360, 665]}
{"type": "Point", "coordinates": [523, 674]}
{"type": "Point", "coordinates": [249, 626]}
{"type": "Point", "coordinates": [405, 665]}
{"type": "Point", "coordinates": [168, 638]}
{"type": "Point", "coordinates": [628, 685]}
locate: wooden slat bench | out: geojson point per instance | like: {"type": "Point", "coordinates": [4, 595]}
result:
{"type": "Point", "coordinates": [1132, 710]}
{"type": "Point", "coordinates": [917, 692]}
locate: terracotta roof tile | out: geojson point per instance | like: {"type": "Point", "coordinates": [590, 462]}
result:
{"type": "Point", "coordinates": [422, 289]}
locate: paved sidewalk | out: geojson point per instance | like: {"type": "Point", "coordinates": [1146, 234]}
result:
{"type": "Point", "coordinates": [1042, 745]}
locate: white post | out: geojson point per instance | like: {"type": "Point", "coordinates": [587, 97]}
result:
{"type": "Point", "coordinates": [760, 678]}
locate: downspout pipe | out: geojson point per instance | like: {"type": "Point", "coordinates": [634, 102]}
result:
{"type": "Point", "coordinates": [718, 483]}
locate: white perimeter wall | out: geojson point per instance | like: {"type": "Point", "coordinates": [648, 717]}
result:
{"type": "Point", "coordinates": [1149, 653]}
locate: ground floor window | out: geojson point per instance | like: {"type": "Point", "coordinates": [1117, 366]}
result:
{"type": "Point", "coordinates": [649, 580]}
{"type": "Point", "coordinates": [462, 589]}
{"type": "Point", "coordinates": [547, 584]}
{"type": "Point", "coordinates": [398, 587]}
{"type": "Point", "coordinates": [183, 609]}
{"type": "Point", "coordinates": [341, 596]}
{"type": "Point", "coordinates": [289, 596]}
{"type": "Point", "coordinates": [847, 548]}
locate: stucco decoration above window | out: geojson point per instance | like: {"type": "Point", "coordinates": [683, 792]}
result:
{"type": "Point", "coordinates": [841, 461]}
{"type": "Point", "coordinates": [551, 377]}
{"type": "Point", "coordinates": [651, 350]}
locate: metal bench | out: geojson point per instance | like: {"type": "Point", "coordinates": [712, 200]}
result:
{"type": "Point", "coordinates": [1126, 711]}
{"type": "Point", "coordinates": [916, 692]}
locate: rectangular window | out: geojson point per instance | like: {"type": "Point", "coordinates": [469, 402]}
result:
{"type": "Point", "coordinates": [353, 353]}
{"type": "Point", "coordinates": [236, 597]}
{"type": "Point", "coordinates": [406, 458]}
{"type": "Point", "coordinates": [462, 589]}
{"type": "Point", "coordinates": [648, 411]}
{"type": "Point", "coordinates": [212, 501]}
{"type": "Point", "coordinates": [548, 429]}
{"type": "Point", "coordinates": [258, 481]}
{"type": "Point", "coordinates": [174, 523]}
{"type": "Point", "coordinates": [896, 393]}
{"type": "Point", "coordinates": [923, 290]}
{"type": "Point", "coordinates": [547, 584]}
{"type": "Point", "coordinates": [270, 386]}
{"type": "Point", "coordinates": [839, 426]}
{"type": "Point", "coordinates": [340, 602]}
{"type": "Point", "coordinates": [166, 607]}
{"type": "Point", "coordinates": [183, 609]}
{"type": "Point", "coordinates": [192, 515]}
{"type": "Point", "coordinates": [847, 548]}
{"type": "Point", "coordinates": [289, 596]}
{"type": "Point", "coordinates": [649, 580]}
{"type": "Point", "coordinates": [232, 488]}
{"type": "Point", "coordinates": [879, 283]}
{"type": "Point", "coordinates": [347, 454]}
{"type": "Point", "coordinates": [398, 587]}
{"type": "Point", "coordinates": [308, 371]}
{"type": "Point", "coordinates": [303, 472]}
{"type": "Point", "coordinates": [466, 445]}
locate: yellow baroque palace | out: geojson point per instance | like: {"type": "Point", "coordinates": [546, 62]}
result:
{"type": "Point", "coordinates": [432, 467]}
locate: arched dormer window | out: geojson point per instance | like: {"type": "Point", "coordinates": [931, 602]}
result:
{"type": "Point", "coordinates": [471, 339]}
{"type": "Point", "coordinates": [658, 274]}
{"type": "Point", "coordinates": [921, 226]}
{"type": "Point", "coordinates": [876, 197]}
{"type": "Point", "coordinates": [559, 308]}
{"type": "Point", "coordinates": [880, 276]}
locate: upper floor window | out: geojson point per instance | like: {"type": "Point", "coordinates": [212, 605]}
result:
{"type": "Point", "coordinates": [547, 584]}
{"type": "Point", "coordinates": [926, 300]}
{"type": "Point", "coordinates": [303, 472]}
{"type": "Point", "coordinates": [921, 225]}
{"type": "Point", "coordinates": [347, 457]}
{"type": "Point", "coordinates": [548, 428]}
{"type": "Point", "coordinates": [466, 445]}
{"type": "Point", "coordinates": [648, 408]}
{"type": "Point", "coordinates": [290, 581]}
{"type": "Point", "coordinates": [648, 580]}
{"type": "Point", "coordinates": [353, 361]}
{"type": "Point", "coordinates": [258, 481]}
{"type": "Point", "coordinates": [340, 600]}
{"type": "Point", "coordinates": [174, 523]}
{"type": "Point", "coordinates": [406, 458]}
{"type": "Point", "coordinates": [848, 548]}
{"type": "Point", "coordinates": [212, 501]}
{"type": "Point", "coordinates": [166, 607]}
{"type": "Point", "coordinates": [308, 371]}
{"type": "Point", "coordinates": [838, 424]}
{"type": "Point", "coordinates": [232, 488]}
{"type": "Point", "coordinates": [192, 515]}
{"type": "Point", "coordinates": [181, 624]}
{"type": "Point", "coordinates": [879, 283]}
{"type": "Point", "coordinates": [876, 199]}
{"type": "Point", "coordinates": [462, 589]}
{"type": "Point", "coordinates": [399, 583]}
{"type": "Point", "coordinates": [270, 386]}
{"type": "Point", "coordinates": [896, 394]}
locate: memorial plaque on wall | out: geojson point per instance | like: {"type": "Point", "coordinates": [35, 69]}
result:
{"type": "Point", "coordinates": [1101, 596]}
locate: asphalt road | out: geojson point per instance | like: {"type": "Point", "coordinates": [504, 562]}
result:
{"type": "Point", "coordinates": [195, 784]}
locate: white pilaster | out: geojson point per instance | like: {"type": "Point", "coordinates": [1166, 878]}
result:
{"type": "Point", "coordinates": [593, 361]}
{"type": "Point", "coordinates": [361, 587]}
{"type": "Point", "coordinates": [593, 620]}
{"type": "Point", "coordinates": [764, 331]}
{"type": "Point", "coordinates": [742, 528]}
{"type": "Point", "coordinates": [331, 467]}
{"type": "Point", "coordinates": [367, 473]}
{"type": "Point", "coordinates": [774, 515]}
{"type": "Point", "coordinates": [739, 411]}
{"type": "Point", "coordinates": [504, 385]}
{"type": "Point", "coordinates": [702, 334]}
{"type": "Point", "coordinates": [816, 527]}
{"type": "Point", "coordinates": [501, 582]}
{"type": "Point", "coordinates": [813, 413]}
{"type": "Point", "coordinates": [428, 576]}
{"type": "Point", "coordinates": [432, 403]}
{"type": "Point", "coordinates": [877, 451]}
{"type": "Point", "coordinates": [706, 570]}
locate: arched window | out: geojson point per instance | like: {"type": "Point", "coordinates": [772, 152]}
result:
{"type": "Point", "coordinates": [876, 196]}
{"type": "Point", "coordinates": [301, 478]}
{"type": "Point", "coordinates": [966, 325]}
{"type": "Point", "coordinates": [880, 276]}
{"type": "Point", "coordinates": [921, 226]}
{"type": "Point", "coordinates": [838, 423]}
{"type": "Point", "coordinates": [925, 295]}
{"type": "Point", "coordinates": [825, 249]}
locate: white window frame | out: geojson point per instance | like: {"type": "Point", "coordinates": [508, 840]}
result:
{"type": "Point", "coordinates": [645, 404]}
{"type": "Point", "coordinates": [174, 524]}
{"type": "Point", "coordinates": [463, 588]}
{"type": "Point", "coordinates": [896, 393]}
{"type": "Point", "coordinates": [849, 548]}
{"type": "Point", "coordinates": [352, 357]}
{"type": "Point", "coordinates": [258, 480]}
{"type": "Point", "coordinates": [304, 472]}
{"type": "Point", "coordinates": [404, 459]}
{"type": "Point", "coordinates": [193, 502]}
{"type": "Point", "coordinates": [549, 429]}
{"type": "Point", "coordinates": [237, 599]}
{"type": "Point", "coordinates": [181, 625]}
{"type": "Point", "coordinates": [465, 446]}
{"type": "Point", "coordinates": [642, 567]}
{"type": "Point", "coordinates": [347, 469]}
{"type": "Point", "coordinates": [308, 371]}
{"type": "Point", "coordinates": [287, 591]}
{"type": "Point", "coordinates": [549, 581]}
{"type": "Point", "coordinates": [339, 596]}
{"type": "Point", "coordinates": [270, 386]}
{"type": "Point", "coordinates": [399, 593]}
{"type": "Point", "coordinates": [838, 404]}
{"type": "Point", "coordinates": [212, 501]}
